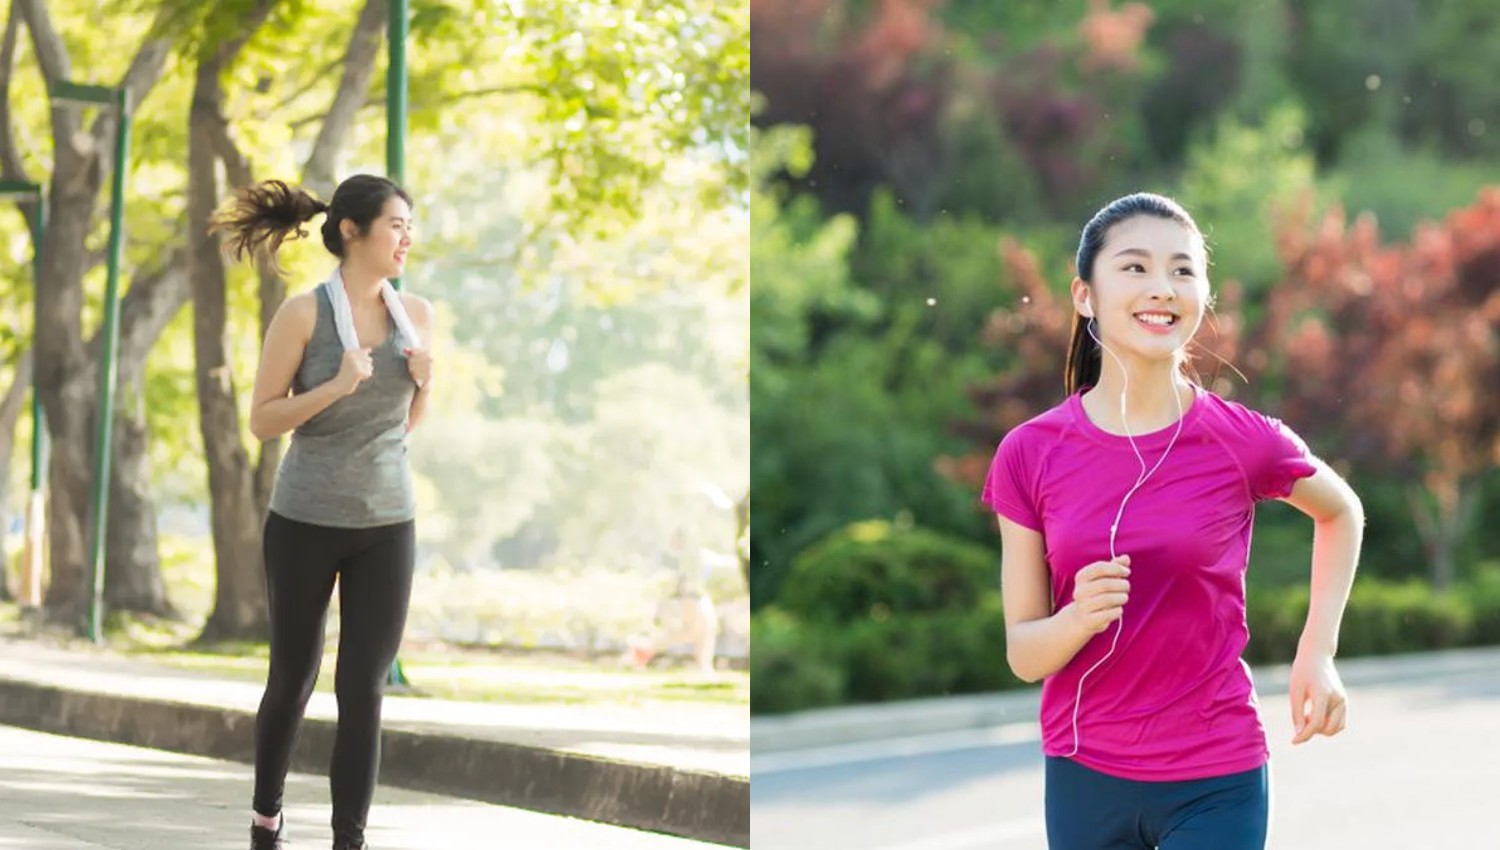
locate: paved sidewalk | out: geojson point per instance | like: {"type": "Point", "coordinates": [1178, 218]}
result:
{"type": "Point", "coordinates": [679, 771]}
{"type": "Point", "coordinates": [61, 793]}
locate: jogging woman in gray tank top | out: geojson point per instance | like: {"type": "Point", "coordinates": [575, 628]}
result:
{"type": "Point", "coordinates": [347, 370]}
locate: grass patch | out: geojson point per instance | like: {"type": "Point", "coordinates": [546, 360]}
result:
{"type": "Point", "coordinates": [478, 676]}
{"type": "Point", "coordinates": [511, 637]}
{"type": "Point", "coordinates": [438, 670]}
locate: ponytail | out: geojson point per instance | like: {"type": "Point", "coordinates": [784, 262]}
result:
{"type": "Point", "coordinates": [1083, 357]}
{"type": "Point", "coordinates": [261, 217]}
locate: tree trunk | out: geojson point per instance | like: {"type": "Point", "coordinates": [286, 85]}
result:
{"type": "Point", "coordinates": [240, 496]}
{"type": "Point", "coordinates": [67, 398]}
{"type": "Point", "coordinates": [130, 544]}
{"type": "Point", "coordinates": [132, 580]}
{"type": "Point", "coordinates": [272, 294]}
{"type": "Point", "coordinates": [67, 511]}
{"type": "Point", "coordinates": [359, 66]}
{"type": "Point", "coordinates": [240, 599]}
{"type": "Point", "coordinates": [1442, 564]}
{"type": "Point", "coordinates": [132, 571]}
{"type": "Point", "coordinates": [1441, 523]}
{"type": "Point", "coordinates": [80, 161]}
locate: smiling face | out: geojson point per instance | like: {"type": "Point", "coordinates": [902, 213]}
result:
{"type": "Point", "coordinates": [1149, 288]}
{"type": "Point", "coordinates": [383, 249]}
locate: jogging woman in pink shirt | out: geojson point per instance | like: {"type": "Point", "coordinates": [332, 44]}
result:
{"type": "Point", "coordinates": [1125, 515]}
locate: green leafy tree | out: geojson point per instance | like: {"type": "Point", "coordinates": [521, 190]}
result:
{"type": "Point", "coordinates": [1240, 208]}
{"type": "Point", "coordinates": [79, 161]}
{"type": "Point", "coordinates": [301, 97]}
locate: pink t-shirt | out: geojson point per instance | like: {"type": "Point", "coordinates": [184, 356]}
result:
{"type": "Point", "coordinates": [1175, 700]}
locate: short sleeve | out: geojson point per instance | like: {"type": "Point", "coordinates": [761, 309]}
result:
{"type": "Point", "coordinates": [1010, 487]}
{"type": "Point", "coordinates": [1277, 458]}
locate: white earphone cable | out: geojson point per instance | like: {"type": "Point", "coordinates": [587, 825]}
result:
{"type": "Point", "coordinates": [1115, 526]}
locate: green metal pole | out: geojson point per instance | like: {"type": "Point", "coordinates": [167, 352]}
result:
{"type": "Point", "coordinates": [107, 370]}
{"type": "Point", "coordinates": [395, 93]}
{"type": "Point", "coordinates": [395, 165]}
{"type": "Point", "coordinates": [39, 440]}
{"type": "Point", "coordinates": [395, 98]}
{"type": "Point", "coordinates": [24, 190]}
{"type": "Point", "coordinates": [35, 534]}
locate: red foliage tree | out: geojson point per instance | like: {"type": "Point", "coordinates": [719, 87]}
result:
{"type": "Point", "coordinates": [877, 90]}
{"type": "Point", "coordinates": [1114, 37]}
{"type": "Point", "coordinates": [873, 89]}
{"type": "Point", "coordinates": [1393, 352]}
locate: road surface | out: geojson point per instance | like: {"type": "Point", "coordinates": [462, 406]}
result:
{"type": "Point", "coordinates": [1418, 768]}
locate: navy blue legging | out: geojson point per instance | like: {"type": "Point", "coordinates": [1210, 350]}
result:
{"type": "Point", "coordinates": [1089, 810]}
{"type": "Point", "coordinates": [374, 571]}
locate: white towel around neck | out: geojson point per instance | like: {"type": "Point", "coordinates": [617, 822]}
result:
{"type": "Point", "coordinates": [343, 317]}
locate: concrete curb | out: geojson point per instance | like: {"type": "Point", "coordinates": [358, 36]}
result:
{"type": "Point", "coordinates": [874, 722]}
{"type": "Point", "coordinates": [698, 805]}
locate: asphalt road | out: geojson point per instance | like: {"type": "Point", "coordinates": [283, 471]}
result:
{"type": "Point", "coordinates": [1418, 768]}
{"type": "Point", "coordinates": [60, 793]}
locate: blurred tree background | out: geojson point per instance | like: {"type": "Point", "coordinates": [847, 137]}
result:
{"type": "Point", "coordinates": [920, 172]}
{"type": "Point", "coordinates": [580, 172]}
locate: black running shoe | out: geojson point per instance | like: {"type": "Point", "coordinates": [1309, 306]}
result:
{"type": "Point", "coordinates": [264, 839]}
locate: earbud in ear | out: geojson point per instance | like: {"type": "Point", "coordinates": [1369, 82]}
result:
{"type": "Point", "coordinates": [1088, 309]}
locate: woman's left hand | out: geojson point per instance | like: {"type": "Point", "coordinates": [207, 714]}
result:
{"type": "Point", "coordinates": [1319, 703]}
{"type": "Point", "coordinates": [419, 364]}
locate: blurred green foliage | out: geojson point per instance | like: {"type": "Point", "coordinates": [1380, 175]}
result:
{"type": "Point", "coordinates": [580, 174]}
{"type": "Point", "coordinates": [900, 143]}
{"type": "Point", "coordinates": [878, 570]}
{"type": "Point", "coordinates": [815, 658]}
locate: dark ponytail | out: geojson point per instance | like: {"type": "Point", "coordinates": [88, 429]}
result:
{"type": "Point", "coordinates": [1083, 352]}
{"type": "Point", "coordinates": [263, 216]}
{"type": "Point", "coordinates": [1083, 357]}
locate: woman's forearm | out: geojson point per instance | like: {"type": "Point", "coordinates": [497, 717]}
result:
{"type": "Point", "coordinates": [278, 416]}
{"type": "Point", "coordinates": [1336, 543]}
{"type": "Point", "coordinates": [1038, 648]}
{"type": "Point", "coordinates": [418, 407]}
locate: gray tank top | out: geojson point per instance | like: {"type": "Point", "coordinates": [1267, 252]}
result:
{"type": "Point", "coordinates": [346, 466]}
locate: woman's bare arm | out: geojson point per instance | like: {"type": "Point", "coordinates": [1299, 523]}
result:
{"type": "Point", "coordinates": [272, 411]}
{"type": "Point", "coordinates": [1038, 641]}
{"type": "Point", "coordinates": [420, 311]}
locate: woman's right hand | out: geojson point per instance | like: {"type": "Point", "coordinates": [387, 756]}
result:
{"type": "Point", "coordinates": [356, 367]}
{"type": "Point", "coordinates": [1099, 593]}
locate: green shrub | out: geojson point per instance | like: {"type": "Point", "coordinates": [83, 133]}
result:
{"type": "Point", "coordinates": [1402, 186]}
{"type": "Point", "coordinates": [1382, 617]}
{"type": "Point", "coordinates": [792, 666]}
{"type": "Point", "coordinates": [1483, 596]}
{"type": "Point", "coordinates": [928, 654]}
{"type": "Point", "coordinates": [799, 665]}
{"type": "Point", "coordinates": [876, 569]}
{"type": "Point", "coordinates": [1407, 617]}
{"type": "Point", "coordinates": [1276, 617]}
{"type": "Point", "coordinates": [891, 653]}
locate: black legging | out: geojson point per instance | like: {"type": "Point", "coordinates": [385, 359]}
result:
{"type": "Point", "coordinates": [374, 570]}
